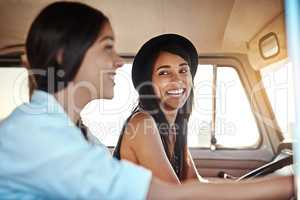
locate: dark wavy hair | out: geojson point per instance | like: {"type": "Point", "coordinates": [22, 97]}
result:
{"type": "Point", "coordinates": [66, 29]}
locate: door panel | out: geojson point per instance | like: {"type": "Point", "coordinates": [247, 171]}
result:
{"type": "Point", "coordinates": [211, 168]}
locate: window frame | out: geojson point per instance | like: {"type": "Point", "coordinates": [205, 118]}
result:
{"type": "Point", "coordinates": [220, 146]}
{"type": "Point", "coordinates": [241, 64]}
{"type": "Point", "coordinates": [243, 83]}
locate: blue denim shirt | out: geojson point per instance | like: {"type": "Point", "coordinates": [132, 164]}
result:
{"type": "Point", "coordinates": [43, 155]}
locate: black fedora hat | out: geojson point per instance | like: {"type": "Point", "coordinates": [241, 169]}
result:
{"type": "Point", "coordinates": [142, 63]}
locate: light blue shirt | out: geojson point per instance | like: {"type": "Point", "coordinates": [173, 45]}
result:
{"type": "Point", "coordinates": [43, 155]}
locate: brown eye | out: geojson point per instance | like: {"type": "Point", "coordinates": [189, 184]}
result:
{"type": "Point", "coordinates": [161, 73]}
{"type": "Point", "coordinates": [108, 47]}
{"type": "Point", "coordinates": [184, 70]}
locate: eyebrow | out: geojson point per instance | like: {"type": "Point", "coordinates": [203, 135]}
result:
{"type": "Point", "coordinates": [168, 66]}
{"type": "Point", "coordinates": [107, 38]}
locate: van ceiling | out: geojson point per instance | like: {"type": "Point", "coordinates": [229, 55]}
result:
{"type": "Point", "coordinates": [212, 25]}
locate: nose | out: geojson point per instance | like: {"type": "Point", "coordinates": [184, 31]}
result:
{"type": "Point", "coordinates": [177, 80]}
{"type": "Point", "coordinates": [118, 61]}
{"type": "Point", "coordinates": [176, 77]}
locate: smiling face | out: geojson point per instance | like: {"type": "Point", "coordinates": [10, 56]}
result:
{"type": "Point", "coordinates": [99, 65]}
{"type": "Point", "coordinates": [172, 80]}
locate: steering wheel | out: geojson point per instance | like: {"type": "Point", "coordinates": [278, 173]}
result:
{"type": "Point", "coordinates": [284, 158]}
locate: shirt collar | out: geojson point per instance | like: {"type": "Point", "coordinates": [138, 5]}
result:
{"type": "Point", "coordinates": [45, 103]}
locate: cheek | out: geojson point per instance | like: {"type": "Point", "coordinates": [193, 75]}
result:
{"type": "Point", "coordinates": [158, 86]}
{"type": "Point", "coordinates": [98, 61]}
{"type": "Point", "coordinates": [189, 86]}
{"type": "Point", "coordinates": [91, 65]}
{"type": "Point", "coordinates": [100, 68]}
{"type": "Point", "coordinates": [188, 81]}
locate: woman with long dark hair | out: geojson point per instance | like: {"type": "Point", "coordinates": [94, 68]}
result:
{"type": "Point", "coordinates": [162, 72]}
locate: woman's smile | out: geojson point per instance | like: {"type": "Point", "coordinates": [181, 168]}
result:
{"type": "Point", "coordinates": [176, 92]}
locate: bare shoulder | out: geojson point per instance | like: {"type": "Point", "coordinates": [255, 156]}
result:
{"type": "Point", "coordinates": [141, 128]}
{"type": "Point", "coordinates": [145, 143]}
{"type": "Point", "coordinates": [140, 116]}
{"type": "Point", "coordinates": [141, 121]}
{"type": "Point", "coordinates": [133, 136]}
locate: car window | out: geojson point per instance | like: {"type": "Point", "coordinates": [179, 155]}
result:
{"type": "Point", "coordinates": [14, 89]}
{"type": "Point", "coordinates": [234, 125]}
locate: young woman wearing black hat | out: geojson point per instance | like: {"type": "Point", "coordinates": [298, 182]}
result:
{"type": "Point", "coordinates": [155, 135]}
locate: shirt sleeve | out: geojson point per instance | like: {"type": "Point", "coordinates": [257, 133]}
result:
{"type": "Point", "coordinates": [60, 164]}
{"type": "Point", "coordinates": [93, 174]}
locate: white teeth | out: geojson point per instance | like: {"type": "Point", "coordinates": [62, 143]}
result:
{"type": "Point", "coordinates": [176, 92]}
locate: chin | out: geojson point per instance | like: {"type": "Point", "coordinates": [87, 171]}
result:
{"type": "Point", "coordinates": [171, 106]}
{"type": "Point", "coordinates": [174, 104]}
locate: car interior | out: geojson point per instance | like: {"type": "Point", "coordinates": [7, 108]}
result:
{"type": "Point", "coordinates": [243, 113]}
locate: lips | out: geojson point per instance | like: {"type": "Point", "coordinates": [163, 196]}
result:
{"type": "Point", "coordinates": [176, 92]}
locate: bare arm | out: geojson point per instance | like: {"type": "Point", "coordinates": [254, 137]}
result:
{"type": "Point", "coordinates": [274, 188]}
{"type": "Point", "coordinates": [143, 138]}
{"type": "Point", "coordinates": [192, 172]}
